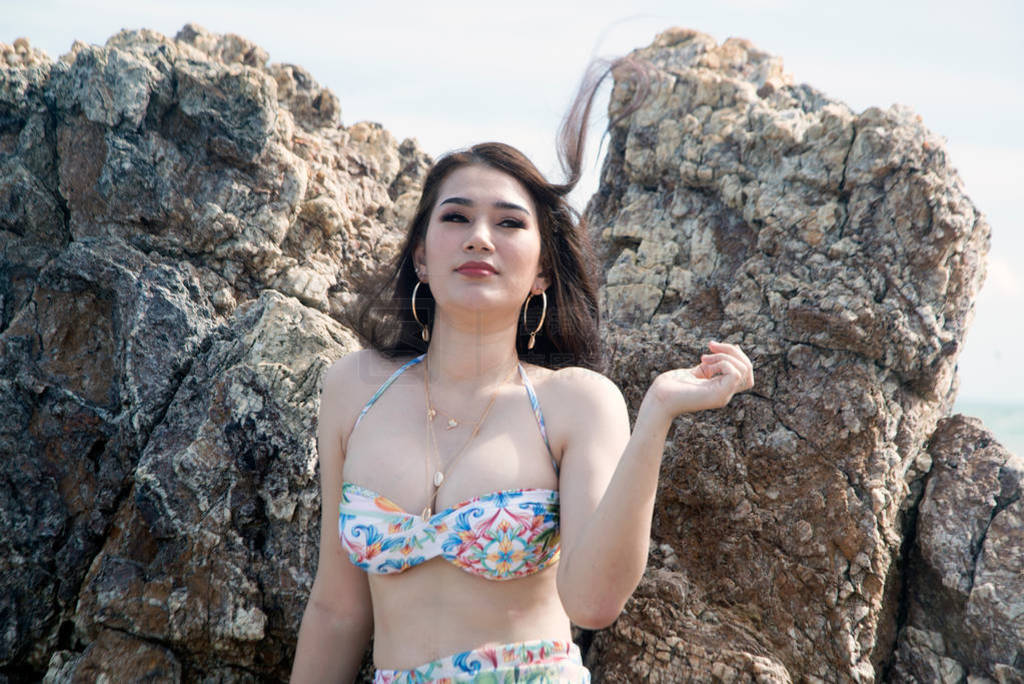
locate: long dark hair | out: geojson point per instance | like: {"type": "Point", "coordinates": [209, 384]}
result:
{"type": "Point", "coordinates": [569, 336]}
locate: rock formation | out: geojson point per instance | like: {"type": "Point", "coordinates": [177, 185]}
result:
{"type": "Point", "coordinates": [183, 227]}
{"type": "Point", "coordinates": [179, 223]}
{"type": "Point", "coordinates": [840, 251]}
{"type": "Point", "coordinates": [964, 583]}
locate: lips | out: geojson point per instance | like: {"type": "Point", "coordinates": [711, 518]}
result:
{"type": "Point", "coordinates": [476, 268]}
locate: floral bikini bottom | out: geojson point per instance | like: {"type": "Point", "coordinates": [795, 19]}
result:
{"type": "Point", "coordinates": [537, 662]}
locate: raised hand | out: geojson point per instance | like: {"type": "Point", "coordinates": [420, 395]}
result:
{"type": "Point", "coordinates": [722, 373]}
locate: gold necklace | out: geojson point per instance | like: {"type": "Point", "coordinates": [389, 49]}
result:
{"type": "Point", "coordinates": [452, 423]}
{"type": "Point", "coordinates": [437, 480]}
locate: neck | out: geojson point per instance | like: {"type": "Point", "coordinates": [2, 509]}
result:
{"type": "Point", "coordinates": [470, 354]}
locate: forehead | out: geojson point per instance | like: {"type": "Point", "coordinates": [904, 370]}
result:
{"type": "Point", "coordinates": [484, 185]}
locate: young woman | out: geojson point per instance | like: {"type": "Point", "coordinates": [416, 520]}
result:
{"type": "Point", "coordinates": [474, 503]}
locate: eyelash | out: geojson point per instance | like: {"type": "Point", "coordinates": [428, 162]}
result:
{"type": "Point", "coordinates": [459, 218]}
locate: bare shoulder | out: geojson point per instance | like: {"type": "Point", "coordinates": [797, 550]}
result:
{"type": "Point", "coordinates": [574, 389]}
{"type": "Point", "coordinates": [592, 423]}
{"type": "Point", "coordinates": [348, 384]}
{"type": "Point", "coordinates": [365, 368]}
{"type": "Point", "coordinates": [351, 368]}
{"type": "Point", "coordinates": [586, 387]}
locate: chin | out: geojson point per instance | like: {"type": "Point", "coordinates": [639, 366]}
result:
{"type": "Point", "coordinates": [480, 301]}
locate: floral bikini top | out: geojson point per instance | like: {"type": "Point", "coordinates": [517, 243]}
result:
{"type": "Point", "coordinates": [502, 535]}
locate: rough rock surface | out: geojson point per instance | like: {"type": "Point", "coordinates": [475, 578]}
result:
{"type": "Point", "coordinates": [179, 222]}
{"type": "Point", "coordinates": [183, 225]}
{"type": "Point", "coordinates": [965, 576]}
{"type": "Point", "coordinates": [840, 251]}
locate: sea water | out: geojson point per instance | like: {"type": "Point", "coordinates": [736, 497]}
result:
{"type": "Point", "coordinates": [1005, 420]}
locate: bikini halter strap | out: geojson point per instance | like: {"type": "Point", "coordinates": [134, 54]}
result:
{"type": "Point", "coordinates": [534, 402]}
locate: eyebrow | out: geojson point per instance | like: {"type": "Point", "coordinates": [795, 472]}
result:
{"type": "Point", "coordinates": [462, 201]}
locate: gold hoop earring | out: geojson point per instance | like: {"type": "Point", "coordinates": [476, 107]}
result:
{"type": "Point", "coordinates": [543, 313]}
{"type": "Point", "coordinates": [424, 330]}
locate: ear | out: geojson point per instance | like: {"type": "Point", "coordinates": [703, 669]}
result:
{"type": "Point", "coordinates": [540, 283]}
{"type": "Point", "coordinates": [419, 261]}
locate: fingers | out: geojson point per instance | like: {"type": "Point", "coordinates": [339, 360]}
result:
{"type": "Point", "coordinates": [711, 369]}
{"type": "Point", "coordinates": [724, 378]}
{"type": "Point", "coordinates": [732, 354]}
{"type": "Point", "coordinates": [731, 349]}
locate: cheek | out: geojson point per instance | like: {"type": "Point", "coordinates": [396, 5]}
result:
{"type": "Point", "coordinates": [434, 246]}
{"type": "Point", "coordinates": [523, 252]}
{"type": "Point", "coordinates": [536, 257]}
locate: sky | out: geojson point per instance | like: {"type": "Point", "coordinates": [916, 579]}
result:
{"type": "Point", "coordinates": [453, 73]}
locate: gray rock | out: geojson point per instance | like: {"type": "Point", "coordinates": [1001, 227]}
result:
{"type": "Point", "coordinates": [89, 363]}
{"type": "Point", "coordinates": [163, 202]}
{"type": "Point", "coordinates": [215, 548]}
{"type": "Point", "coordinates": [965, 576]}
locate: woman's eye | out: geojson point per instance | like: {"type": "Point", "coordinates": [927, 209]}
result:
{"type": "Point", "coordinates": [454, 216]}
{"type": "Point", "coordinates": [512, 223]}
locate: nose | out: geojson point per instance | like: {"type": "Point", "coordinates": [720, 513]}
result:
{"type": "Point", "coordinates": [478, 238]}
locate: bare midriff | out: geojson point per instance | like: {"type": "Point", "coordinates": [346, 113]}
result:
{"type": "Point", "coordinates": [437, 609]}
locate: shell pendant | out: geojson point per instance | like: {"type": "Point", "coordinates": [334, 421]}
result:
{"type": "Point", "coordinates": [438, 478]}
{"type": "Point", "coordinates": [426, 514]}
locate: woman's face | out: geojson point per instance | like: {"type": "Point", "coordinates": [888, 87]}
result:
{"type": "Point", "coordinates": [482, 247]}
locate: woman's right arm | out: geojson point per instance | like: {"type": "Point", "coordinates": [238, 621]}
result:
{"type": "Point", "coordinates": [338, 620]}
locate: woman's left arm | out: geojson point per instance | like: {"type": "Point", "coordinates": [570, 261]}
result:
{"type": "Point", "coordinates": [609, 479]}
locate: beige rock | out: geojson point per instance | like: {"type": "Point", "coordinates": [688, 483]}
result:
{"type": "Point", "coordinates": [841, 253]}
